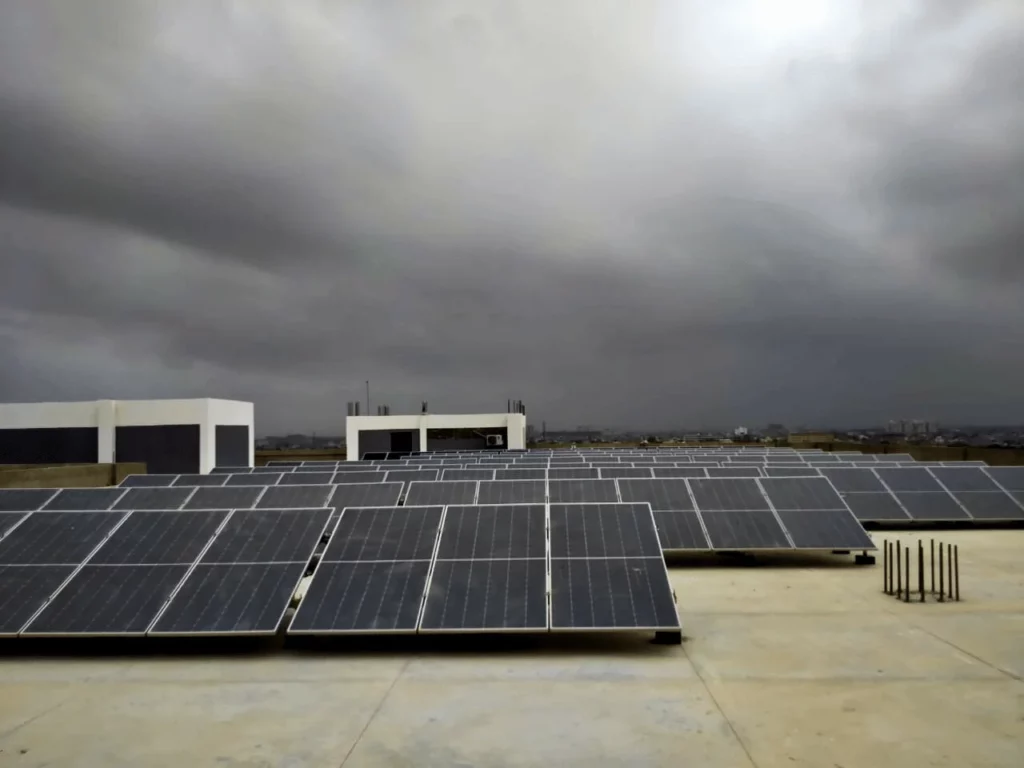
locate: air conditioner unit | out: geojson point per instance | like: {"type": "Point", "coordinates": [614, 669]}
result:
{"type": "Point", "coordinates": [494, 441]}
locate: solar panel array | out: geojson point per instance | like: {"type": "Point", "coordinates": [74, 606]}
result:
{"type": "Point", "coordinates": [487, 568]}
{"type": "Point", "coordinates": [135, 572]}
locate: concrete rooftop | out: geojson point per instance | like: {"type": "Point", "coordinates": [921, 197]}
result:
{"type": "Point", "coordinates": [797, 664]}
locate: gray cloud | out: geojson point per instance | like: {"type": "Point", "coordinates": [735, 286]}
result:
{"type": "Point", "coordinates": [639, 213]}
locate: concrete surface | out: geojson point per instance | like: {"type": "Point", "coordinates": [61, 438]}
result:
{"type": "Point", "coordinates": [797, 663]}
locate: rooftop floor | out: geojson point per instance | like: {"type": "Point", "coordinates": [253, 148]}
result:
{"type": "Point", "coordinates": [798, 664]}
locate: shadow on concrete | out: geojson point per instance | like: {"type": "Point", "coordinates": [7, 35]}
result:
{"type": "Point", "coordinates": [490, 645]}
{"type": "Point", "coordinates": [698, 560]}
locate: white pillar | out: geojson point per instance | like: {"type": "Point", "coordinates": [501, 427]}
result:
{"type": "Point", "coordinates": [423, 432]}
{"type": "Point", "coordinates": [207, 438]}
{"type": "Point", "coordinates": [106, 425]}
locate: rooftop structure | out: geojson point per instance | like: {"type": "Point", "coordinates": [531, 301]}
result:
{"type": "Point", "coordinates": [434, 432]}
{"type": "Point", "coordinates": [168, 435]}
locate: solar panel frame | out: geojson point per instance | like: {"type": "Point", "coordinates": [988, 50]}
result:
{"type": "Point", "coordinates": [583, 492]}
{"type": "Point", "coordinates": [252, 479]}
{"type": "Point", "coordinates": [24, 592]}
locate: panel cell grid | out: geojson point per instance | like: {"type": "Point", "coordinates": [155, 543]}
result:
{"type": "Point", "coordinates": [268, 536]}
{"type": "Point", "coordinates": [154, 498]}
{"type": "Point", "coordinates": [93, 499]}
{"type": "Point", "coordinates": [159, 538]}
{"type": "Point", "coordinates": [603, 530]}
{"type": "Point", "coordinates": [384, 534]}
{"type": "Point", "coordinates": [512, 492]}
{"type": "Point", "coordinates": [56, 538]}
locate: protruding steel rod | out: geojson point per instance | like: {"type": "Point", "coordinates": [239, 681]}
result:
{"type": "Point", "coordinates": [949, 568]}
{"type": "Point", "coordinates": [899, 570]}
{"type": "Point", "coordinates": [920, 568]}
{"type": "Point", "coordinates": [956, 569]}
{"type": "Point", "coordinates": [942, 573]}
{"type": "Point", "coordinates": [906, 593]}
{"type": "Point", "coordinates": [885, 566]}
{"type": "Point", "coordinates": [933, 566]}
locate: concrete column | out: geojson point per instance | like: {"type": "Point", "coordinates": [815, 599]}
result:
{"type": "Point", "coordinates": [106, 425]}
{"type": "Point", "coordinates": [423, 433]}
{"type": "Point", "coordinates": [207, 438]}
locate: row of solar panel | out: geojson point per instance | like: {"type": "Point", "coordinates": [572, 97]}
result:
{"type": "Point", "coordinates": [640, 460]}
{"type": "Point", "coordinates": [158, 572]}
{"type": "Point", "coordinates": [385, 569]}
{"type": "Point", "coordinates": [489, 570]}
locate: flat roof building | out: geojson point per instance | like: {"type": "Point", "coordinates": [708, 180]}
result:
{"type": "Point", "coordinates": [434, 432]}
{"type": "Point", "coordinates": [172, 436]}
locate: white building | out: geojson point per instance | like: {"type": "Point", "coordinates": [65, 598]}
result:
{"type": "Point", "coordinates": [173, 436]}
{"type": "Point", "coordinates": [434, 432]}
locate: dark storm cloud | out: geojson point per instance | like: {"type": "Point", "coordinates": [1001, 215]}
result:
{"type": "Point", "coordinates": [641, 213]}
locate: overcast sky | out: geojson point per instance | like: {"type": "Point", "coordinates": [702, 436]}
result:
{"type": "Point", "coordinates": [623, 212]}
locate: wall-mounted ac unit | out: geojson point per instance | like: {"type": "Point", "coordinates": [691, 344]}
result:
{"type": "Point", "coordinates": [495, 441]}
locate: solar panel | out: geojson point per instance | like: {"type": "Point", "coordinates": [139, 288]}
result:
{"type": "Point", "coordinates": [373, 573]}
{"type": "Point", "coordinates": [412, 475]}
{"type": "Point", "coordinates": [1008, 478]}
{"type": "Point", "coordinates": [159, 538]}
{"type": "Point", "coordinates": [493, 532]}
{"type": "Point", "coordinates": [224, 498]}
{"type": "Point", "coordinates": [609, 594]}
{"type": "Point", "coordinates": [268, 536]}
{"type": "Point", "coordinates": [74, 499]}
{"type": "Point", "coordinates": [25, 499]}
{"type": "Point", "coordinates": [271, 470]}
{"type": "Point", "coordinates": [105, 600]}
{"type": "Point", "coordinates": [520, 474]}
{"type": "Point", "coordinates": [897, 457]}
{"type": "Point", "coordinates": [148, 481]}
{"type": "Point", "coordinates": [24, 589]}
{"type": "Point", "coordinates": [574, 473]}
{"type": "Point", "coordinates": [680, 530]}
{"type": "Point", "coordinates": [384, 533]}
{"type": "Point", "coordinates": [280, 463]}
{"type": "Point", "coordinates": [875, 507]}
{"type": "Point", "coordinates": [428, 494]}
{"type": "Point", "coordinates": [295, 497]}
{"type": "Point", "coordinates": [603, 530]}
{"type": "Point", "coordinates": [154, 498]}
{"type": "Point", "coordinates": [56, 538]}
{"type": "Point", "coordinates": [359, 477]}
{"type": "Point", "coordinates": [604, 572]}
{"type": "Point", "coordinates": [824, 529]}
{"type": "Point", "coordinates": [199, 480]}
{"type": "Point", "coordinates": [662, 495]}
{"type": "Point", "coordinates": [358, 466]}
{"type": "Point", "coordinates": [231, 470]}
{"type": "Point", "coordinates": [908, 479]}
{"type": "Point", "coordinates": [625, 472]}
{"type": "Point", "coordinates": [983, 505]}
{"type": "Point", "coordinates": [670, 472]}
{"type": "Point", "coordinates": [262, 478]}
{"type": "Point", "coordinates": [582, 491]}
{"type": "Point", "coordinates": [231, 600]}
{"type": "Point", "coordinates": [728, 494]}
{"type": "Point", "coordinates": [854, 480]}
{"type": "Point", "coordinates": [792, 471]}
{"type": "Point", "coordinates": [735, 472]}
{"type": "Point", "coordinates": [467, 474]}
{"type": "Point", "coordinates": [815, 493]}
{"type": "Point", "coordinates": [744, 530]}
{"type": "Point", "coordinates": [362, 597]}
{"type": "Point", "coordinates": [486, 595]}
{"type": "Point", "coordinates": [512, 492]}
{"type": "Point", "coordinates": [306, 478]}
{"type": "Point", "coordinates": [931, 506]}
{"type": "Point", "coordinates": [963, 479]}
{"type": "Point", "coordinates": [365, 495]}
